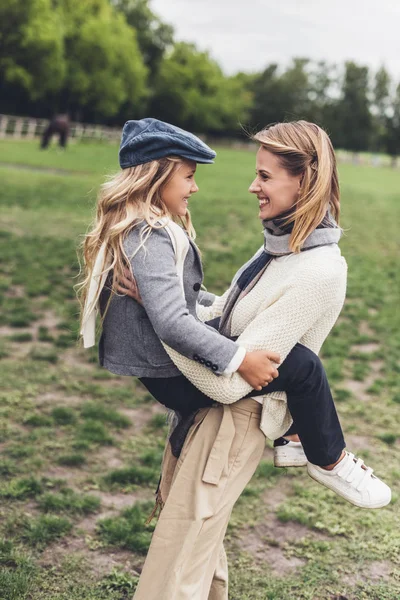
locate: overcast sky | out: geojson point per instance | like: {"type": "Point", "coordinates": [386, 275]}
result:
{"type": "Point", "coordinates": [246, 35]}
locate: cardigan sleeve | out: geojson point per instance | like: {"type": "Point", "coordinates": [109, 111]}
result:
{"type": "Point", "coordinates": [206, 313]}
{"type": "Point", "coordinates": [279, 327]}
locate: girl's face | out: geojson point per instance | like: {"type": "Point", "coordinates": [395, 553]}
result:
{"type": "Point", "coordinates": [179, 188]}
{"type": "Point", "coordinates": [276, 190]}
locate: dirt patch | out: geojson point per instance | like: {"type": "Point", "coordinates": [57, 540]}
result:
{"type": "Point", "coordinates": [272, 498]}
{"type": "Point", "coordinates": [373, 572]}
{"type": "Point", "coordinates": [108, 458]}
{"type": "Point", "coordinates": [57, 399]}
{"type": "Point", "coordinates": [141, 415]}
{"type": "Point", "coordinates": [15, 291]}
{"type": "Point", "coordinates": [118, 501]}
{"type": "Point", "coordinates": [6, 330]}
{"type": "Point", "coordinates": [366, 348]}
{"type": "Point", "coordinates": [268, 542]}
{"type": "Point", "coordinates": [89, 523]}
{"type": "Point", "coordinates": [273, 556]}
{"type": "Point", "coordinates": [100, 561]}
{"type": "Point", "coordinates": [48, 319]}
{"type": "Point", "coordinates": [74, 479]}
{"type": "Point", "coordinates": [359, 388]}
{"type": "Point", "coordinates": [358, 442]}
{"type": "Point", "coordinates": [77, 358]}
{"type": "Point", "coordinates": [365, 329]}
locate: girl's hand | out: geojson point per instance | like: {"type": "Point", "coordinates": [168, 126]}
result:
{"type": "Point", "coordinates": [257, 368]}
{"type": "Point", "coordinates": [127, 286]}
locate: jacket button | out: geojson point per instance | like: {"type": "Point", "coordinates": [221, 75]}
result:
{"type": "Point", "coordinates": [195, 357]}
{"type": "Point", "coordinates": [202, 361]}
{"type": "Point", "coordinates": [215, 367]}
{"type": "Point", "coordinates": [196, 287]}
{"type": "Point", "coordinates": [208, 363]}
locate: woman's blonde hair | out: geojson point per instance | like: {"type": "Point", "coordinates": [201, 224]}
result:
{"type": "Point", "coordinates": [305, 149]}
{"type": "Point", "coordinates": [128, 198]}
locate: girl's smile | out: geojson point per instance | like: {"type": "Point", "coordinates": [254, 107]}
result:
{"type": "Point", "coordinates": [180, 188]}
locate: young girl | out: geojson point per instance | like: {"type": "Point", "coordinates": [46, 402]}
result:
{"type": "Point", "coordinates": [291, 291]}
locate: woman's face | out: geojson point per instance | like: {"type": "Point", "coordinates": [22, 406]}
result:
{"type": "Point", "coordinates": [276, 190]}
{"type": "Point", "coordinates": [179, 188]}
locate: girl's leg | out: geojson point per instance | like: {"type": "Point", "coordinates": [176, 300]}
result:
{"type": "Point", "coordinates": [303, 378]}
{"type": "Point", "coordinates": [219, 457]}
{"type": "Point", "coordinates": [311, 405]}
{"type": "Point", "coordinates": [177, 393]}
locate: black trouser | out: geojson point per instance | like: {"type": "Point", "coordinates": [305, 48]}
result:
{"type": "Point", "coordinates": [303, 378]}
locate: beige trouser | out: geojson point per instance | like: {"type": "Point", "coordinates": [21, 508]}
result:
{"type": "Point", "coordinates": [186, 558]}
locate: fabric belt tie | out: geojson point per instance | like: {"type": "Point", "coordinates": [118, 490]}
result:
{"type": "Point", "coordinates": [218, 457]}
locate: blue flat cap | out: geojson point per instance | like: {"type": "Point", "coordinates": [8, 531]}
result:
{"type": "Point", "coordinates": [149, 139]}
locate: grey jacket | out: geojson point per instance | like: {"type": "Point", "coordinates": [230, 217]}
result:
{"type": "Point", "coordinates": [130, 341]}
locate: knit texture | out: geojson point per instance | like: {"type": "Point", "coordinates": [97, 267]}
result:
{"type": "Point", "coordinates": [297, 299]}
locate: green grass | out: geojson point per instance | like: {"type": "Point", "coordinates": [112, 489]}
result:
{"type": "Point", "coordinates": [128, 529]}
{"type": "Point", "coordinates": [69, 501]}
{"type": "Point", "coordinates": [64, 433]}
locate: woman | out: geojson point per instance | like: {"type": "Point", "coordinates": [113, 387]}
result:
{"type": "Point", "coordinates": [293, 297]}
{"type": "Point", "coordinates": [278, 299]}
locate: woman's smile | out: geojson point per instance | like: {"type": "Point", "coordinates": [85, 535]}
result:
{"type": "Point", "coordinates": [275, 188]}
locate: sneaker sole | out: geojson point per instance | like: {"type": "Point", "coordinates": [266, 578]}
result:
{"type": "Point", "coordinates": [289, 460]}
{"type": "Point", "coordinates": [351, 500]}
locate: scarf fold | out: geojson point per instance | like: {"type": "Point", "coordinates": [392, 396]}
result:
{"type": "Point", "coordinates": [276, 243]}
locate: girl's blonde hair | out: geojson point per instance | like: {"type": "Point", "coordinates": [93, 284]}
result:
{"type": "Point", "coordinates": [305, 149]}
{"type": "Point", "coordinates": [128, 198]}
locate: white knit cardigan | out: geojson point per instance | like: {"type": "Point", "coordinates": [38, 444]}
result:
{"type": "Point", "coordinates": [297, 299]}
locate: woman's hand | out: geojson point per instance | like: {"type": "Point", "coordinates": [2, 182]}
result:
{"type": "Point", "coordinates": [257, 368]}
{"type": "Point", "coordinates": [127, 286]}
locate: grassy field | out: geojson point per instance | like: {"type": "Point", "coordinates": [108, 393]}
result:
{"type": "Point", "coordinates": [81, 448]}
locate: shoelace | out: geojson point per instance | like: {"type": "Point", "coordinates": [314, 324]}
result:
{"type": "Point", "coordinates": [352, 470]}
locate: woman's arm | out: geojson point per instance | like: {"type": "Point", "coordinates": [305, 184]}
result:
{"type": "Point", "coordinates": [316, 294]}
{"type": "Point", "coordinates": [206, 313]}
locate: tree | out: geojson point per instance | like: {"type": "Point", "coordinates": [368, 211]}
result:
{"type": "Point", "coordinates": [32, 60]}
{"type": "Point", "coordinates": [104, 65]}
{"type": "Point", "coordinates": [355, 116]}
{"type": "Point", "coordinates": [392, 137]}
{"type": "Point", "coordinates": [280, 96]}
{"type": "Point", "coordinates": [192, 92]}
{"type": "Point", "coordinates": [381, 104]}
{"type": "Point", "coordinates": [269, 98]}
{"type": "Point", "coordinates": [154, 37]}
{"type": "Point", "coordinates": [296, 86]}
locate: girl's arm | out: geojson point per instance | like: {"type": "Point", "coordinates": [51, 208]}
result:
{"type": "Point", "coordinates": [159, 286]}
{"type": "Point", "coordinates": [318, 293]}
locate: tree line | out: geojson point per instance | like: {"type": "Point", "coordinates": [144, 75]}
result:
{"type": "Point", "coordinates": [105, 61]}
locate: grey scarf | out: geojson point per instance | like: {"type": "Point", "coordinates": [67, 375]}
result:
{"type": "Point", "coordinates": [276, 243]}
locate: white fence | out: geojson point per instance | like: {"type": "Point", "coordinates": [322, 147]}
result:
{"type": "Point", "coordinates": [29, 128]}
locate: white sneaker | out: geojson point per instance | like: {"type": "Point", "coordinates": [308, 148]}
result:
{"type": "Point", "coordinates": [353, 482]}
{"type": "Point", "coordinates": [288, 453]}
